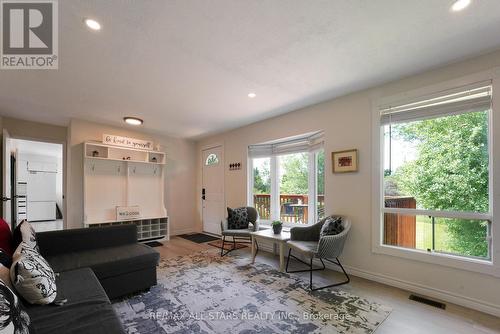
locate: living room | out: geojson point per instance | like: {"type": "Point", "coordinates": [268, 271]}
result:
{"type": "Point", "coordinates": [244, 167]}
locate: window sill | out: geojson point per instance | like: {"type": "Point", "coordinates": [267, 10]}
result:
{"type": "Point", "coordinates": [447, 260]}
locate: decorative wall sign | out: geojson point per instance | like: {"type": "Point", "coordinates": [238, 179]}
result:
{"type": "Point", "coordinates": [128, 212]}
{"type": "Point", "coordinates": [127, 142]}
{"type": "Point", "coordinates": [345, 161]}
{"type": "Point", "coordinates": [235, 166]}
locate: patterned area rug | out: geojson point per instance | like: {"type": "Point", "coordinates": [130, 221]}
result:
{"type": "Point", "coordinates": [204, 293]}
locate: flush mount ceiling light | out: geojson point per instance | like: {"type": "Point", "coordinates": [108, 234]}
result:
{"type": "Point", "coordinates": [252, 95]}
{"type": "Point", "coordinates": [133, 120]}
{"type": "Point", "coordinates": [92, 24]}
{"type": "Point", "coordinates": [459, 5]}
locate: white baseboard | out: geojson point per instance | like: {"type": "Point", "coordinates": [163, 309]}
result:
{"type": "Point", "coordinates": [183, 231]}
{"type": "Point", "coordinates": [443, 295]}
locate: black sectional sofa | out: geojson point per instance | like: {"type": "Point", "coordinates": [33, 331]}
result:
{"type": "Point", "coordinates": [94, 266]}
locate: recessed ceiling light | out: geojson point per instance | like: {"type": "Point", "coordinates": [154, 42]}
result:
{"type": "Point", "coordinates": [93, 24]}
{"type": "Point", "coordinates": [460, 5]}
{"type": "Point", "coordinates": [252, 95]}
{"type": "Point", "coordinates": [133, 120]}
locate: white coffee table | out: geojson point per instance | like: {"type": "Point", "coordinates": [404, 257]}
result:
{"type": "Point", "coordinates": [279, 239]}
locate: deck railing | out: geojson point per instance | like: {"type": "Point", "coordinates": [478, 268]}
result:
{"type": "Point", "coordinates": [293, 208]}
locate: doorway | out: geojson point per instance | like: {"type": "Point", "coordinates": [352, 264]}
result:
{"type": "Point", "coordinates": [213, 203]}
{"type": "Point", "coordinates": [33, 183]}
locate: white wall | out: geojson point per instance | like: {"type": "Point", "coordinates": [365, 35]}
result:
{"type": "Point", "coordinates": [180, 173]}
{"type": "Point", "coordinates": [347, 122]}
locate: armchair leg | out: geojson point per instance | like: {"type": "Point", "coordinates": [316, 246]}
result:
{"type": "Point", "coordinates": [311, 269]}
{"type": "Point", "coordinates": [229, 250]}
{"type": "Point", "coordinates": [234, 244]}
{"type": "Point", "coordinates": [348, 279]}
{"type": "Point", "coordinates": [303, 270]}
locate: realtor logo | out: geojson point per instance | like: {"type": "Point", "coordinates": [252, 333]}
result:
{"type": "Point", "coordinates": [29, 34]}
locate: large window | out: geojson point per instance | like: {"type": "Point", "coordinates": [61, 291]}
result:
{"type": "Point", "coordinates": [436, 180]}
{"type": "Point", "coordinates": [287, 180]}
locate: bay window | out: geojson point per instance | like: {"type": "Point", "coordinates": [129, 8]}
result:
{"type": "Point", "coordinates": [436, 193]}
{"type": "Point", "coordinates": [286, 179]}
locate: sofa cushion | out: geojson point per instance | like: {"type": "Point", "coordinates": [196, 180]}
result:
{"type": "Point", "coordinates": [108, 262]}
{"type": "Point", "coordinates": [87, 309]}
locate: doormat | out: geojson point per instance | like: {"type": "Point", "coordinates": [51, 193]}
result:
{"type": "Point", "coordinates": [153, 244]}
{"type": "Point", "coordinates": [227, 245]}
{"type": "Point", "coordinates": [199, 238]}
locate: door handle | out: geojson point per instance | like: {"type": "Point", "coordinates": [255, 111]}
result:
{"type": "Point", "coordinates": [5, 199]}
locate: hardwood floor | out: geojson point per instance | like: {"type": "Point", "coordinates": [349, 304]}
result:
{"type": "Point", "coordinates": [407, 317]}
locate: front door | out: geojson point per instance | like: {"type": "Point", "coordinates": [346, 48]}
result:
{"type": "Point", "coordinates": [213, 189]}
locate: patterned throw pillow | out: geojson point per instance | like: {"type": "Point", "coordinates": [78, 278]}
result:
{"type": "Point", "coordinates": [25, 232]}
{"type": "Point", "coordinates": [5, 263]}
{"type": "Point", "coordinates": [32, 276]}
{"type": "Point", "coordinates": [13, 318]}
{"type": "Point", "coordinates": [332, 226]}
{"type": "Point", "coordinates": [237, 218]}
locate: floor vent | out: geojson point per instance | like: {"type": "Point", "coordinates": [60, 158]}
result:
{"type": "Point", "coordinates": [428, 301]}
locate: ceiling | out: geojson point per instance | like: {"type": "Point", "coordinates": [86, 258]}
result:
{"type": "Point", "coordinates": [187, 66]}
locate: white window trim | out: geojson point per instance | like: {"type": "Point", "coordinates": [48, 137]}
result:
{"type": "Point", "coordinates": [490, 267]}
{"type": "Point", "coordinates": [275, 198]}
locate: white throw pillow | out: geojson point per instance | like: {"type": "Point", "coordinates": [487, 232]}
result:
{"type": "Point", "coordinates": [32, 276]}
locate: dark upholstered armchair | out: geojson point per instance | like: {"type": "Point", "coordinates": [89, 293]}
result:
{"type": "Point", "coordinates": [308, 242]}
{"type": "Point", "coordinates": [253, 220]}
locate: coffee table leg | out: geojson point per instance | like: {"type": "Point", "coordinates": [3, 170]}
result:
{"type": "Point", "coordinates": [254, 250]}
{"type": "Point", "coordinates": [282, 256]}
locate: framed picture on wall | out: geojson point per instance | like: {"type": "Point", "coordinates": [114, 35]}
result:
{"type": "Point", "coordinates": [345, 161]}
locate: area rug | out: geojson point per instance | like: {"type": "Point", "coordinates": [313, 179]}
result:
{"type": "Point", "coordinates": [199, 238]}
{"type": "Point", "coordinates": [227, 245]}
{"type": "Point", "coordinates": [204, 293]}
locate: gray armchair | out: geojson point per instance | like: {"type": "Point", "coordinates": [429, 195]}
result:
{"type": "Point", "coordinates": [253, 220]}
{"type": "Point", "coordinates": [308, 242]}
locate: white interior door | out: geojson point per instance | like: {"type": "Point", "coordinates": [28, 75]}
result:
{"type": "Point", "coordinates": [213, 189]}
{"type": "Point", "coordinates": [6, 191]}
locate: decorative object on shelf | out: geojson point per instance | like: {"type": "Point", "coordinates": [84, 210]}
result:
{"type": "Point", "coordinates": [153, 159]}
{"type": "Point", "coordinates": [127, 142]}
{"type": "Point", "coordinates": [128, 212]}
{"type": "Point", "coordinates": [95, 153]}
{"type": "Point", "coordinates": [277, 226]}
{"type": "Point", "coordinates": [235, 166]}
{"type": "Point", "coordinates": [345, 161]}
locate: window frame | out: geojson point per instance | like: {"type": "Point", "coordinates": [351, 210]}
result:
{"type": "Point", "coordinates": [275, 195]}
{"type": "Point", "coordinates": [491, 266]}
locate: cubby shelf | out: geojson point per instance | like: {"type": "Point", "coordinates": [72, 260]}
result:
{"type": "Point", "coordinates": [147, 229]}
{"type": "Point", "coordinates": [122, 177]}
{"type": "Point", "coordinates": [100, 151]}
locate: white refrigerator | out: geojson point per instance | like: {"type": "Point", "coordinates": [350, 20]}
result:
{"type": "Point", "coordinates": [41, 192]}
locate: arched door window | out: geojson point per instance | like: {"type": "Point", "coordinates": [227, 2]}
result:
{"type": "Point", "coordinates": [212, 159]}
